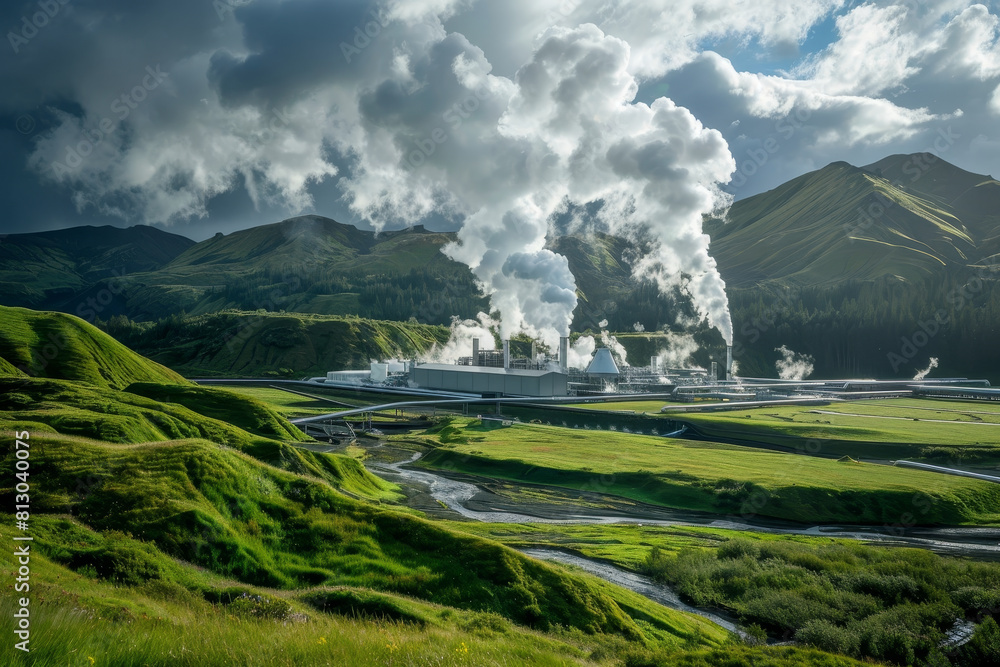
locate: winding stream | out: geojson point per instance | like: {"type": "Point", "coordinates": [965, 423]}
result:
{"type": "Point", "coordinates": [630, 580]}
{"type": "Point", "coordinates": [461, 496]}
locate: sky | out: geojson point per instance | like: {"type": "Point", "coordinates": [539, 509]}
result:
{"type": "Point", "coordinates": [491, 118]}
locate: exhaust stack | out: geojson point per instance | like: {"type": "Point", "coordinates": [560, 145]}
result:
{"type": "Point", "coordinates": [475, 351]}
{"type": "Point", "coordinates": [729, 362]}
{"type": "Point", "coordinates": [506, 354]}
{"type": "Point", "coordinates": [564, 353]}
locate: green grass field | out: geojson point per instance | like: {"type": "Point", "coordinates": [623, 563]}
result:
{"type": "Point", "coordinates": [891, 428]}
{"type": "Point", "coordinates": [287, 403]}
{"type": "Point", "coordinates": [295, 405]}
{"type": "Point", "coordinates": [712, 477]}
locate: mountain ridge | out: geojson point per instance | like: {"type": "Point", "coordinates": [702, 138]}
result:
{"type": "Point", "coordinates": [843, 223]}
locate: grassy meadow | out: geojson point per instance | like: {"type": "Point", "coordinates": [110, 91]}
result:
{"type": "Point", "coordinates": [710, 476]}
{"type": "Point", "coordinates": [289, 405]}
{"type": "Point", "coordinates": [890, 428]}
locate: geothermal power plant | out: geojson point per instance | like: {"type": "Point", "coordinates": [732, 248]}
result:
{"type": "Point", "coordinates": [489, 373]}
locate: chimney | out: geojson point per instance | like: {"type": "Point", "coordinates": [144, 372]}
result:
{"type": "Point", "coordinates": [475, 351]}
{"type": "Point", "coordinates": [506, 354]}
{"type": "Point", "coordinates": [534, 351]}
{"type": "Point", "coordinates": [654, 364]}
{"type": "Point", "coordinates": [564, 353]}
{"type": "Point", "coordinates": [729, 362]}
{"type": "Point", "coordinates": [715, 371]}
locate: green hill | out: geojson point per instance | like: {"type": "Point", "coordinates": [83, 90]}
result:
{"type": "Point", "coordinates": [904, 217]}
{"type": "Point", "coordinates": [56, 345]}
{"type": "Point", "coordinates": [261, 344]}
{"type": "Point", "coordinates": [309, 264]}
{"type": "Point", "coordinates": [46, 270]}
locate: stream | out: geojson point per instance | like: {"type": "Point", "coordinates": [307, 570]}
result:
{"type": "Point", "coordinates": [458, 493]}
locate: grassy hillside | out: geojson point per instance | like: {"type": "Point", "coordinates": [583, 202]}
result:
{"type": "Point", "coordinates": [47, 270]}
{"type": "Point", "coordinates": [242, 411]}
{"type": "Point", "coordinates": [147, 480]}
{"type": "Point", "coordinates": [240, 518]}
{"type": "Point", "coordinates": [259, 344]}
{"type": "Point", "coordinates": [55, 345]}
{"type": "Point", "coordinates": [189, 618]}
{"type": "Point", "coordinates": [712, 477]}
{"type": "Point", "coordinates": [309, 264]}
{"type": "Point", "coordinates": [99, 601]}
{"type": "Point", "coordinates": [844, 223]}
{"type": "Point", "coordinates": [76, 410]}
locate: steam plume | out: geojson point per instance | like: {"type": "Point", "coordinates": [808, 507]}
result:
{"type": "Point", "coordinates": [927, 371]}
{"type": "Point", "coordinates": [793, 366]}
{"type": "Point", "coordinates": [440, 133]}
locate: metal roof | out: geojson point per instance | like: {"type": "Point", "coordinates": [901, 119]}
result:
{"type": "Point", "coordinates": [487, 370]}
{"type": "Point", "coordinates": [603, 364]}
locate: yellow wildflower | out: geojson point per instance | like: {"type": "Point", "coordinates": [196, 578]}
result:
{"type": "Point", "coordinates": [322, 640]}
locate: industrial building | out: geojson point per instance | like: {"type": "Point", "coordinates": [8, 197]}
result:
{"type": "Point", "coordinates": [489, 380]}
{"type": "Point", "coordinates": [496, 373]}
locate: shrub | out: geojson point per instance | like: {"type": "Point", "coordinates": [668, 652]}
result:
{"type": "Point", "coordinates": [976, 599]}
{"type": "Point", "coordinates": [827, 637]}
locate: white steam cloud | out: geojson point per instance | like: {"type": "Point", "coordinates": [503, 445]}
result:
{"type": "Point", "coordinates": [927, 371]}
{"type": "Point", "coordinates": [618, 350]}
{"type": "Point", "coordinates": [581, 353]}
{"type": "Point", "coordinates": [441, 133]}
{"type": "Point", "coordinates": [679, 350]}
{"type": "Point", "coordinates": [793, 366]}
{"type": "Point", "coordinates": [413, 122]}
{"type": "Point", "coordinates": [460, 341]}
